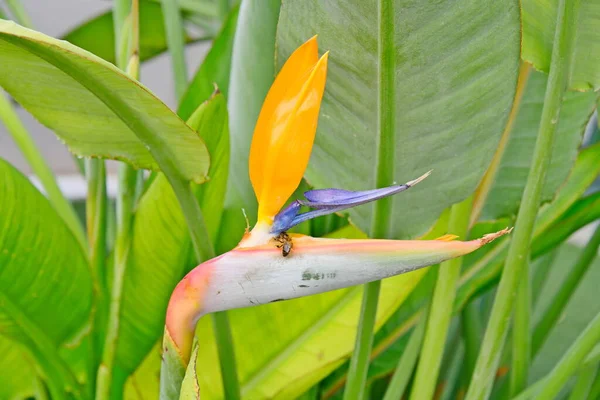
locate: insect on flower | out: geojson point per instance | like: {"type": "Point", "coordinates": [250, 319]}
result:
{"type": "Point", "coordinates": [285, 243]}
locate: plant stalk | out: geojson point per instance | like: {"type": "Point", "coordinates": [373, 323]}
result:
{"type": "Point", "coordinates": [584, 383]}
{"type": "Point", "coordinates": [493, 342]}
{"type": "Point", "coordinates": [359, 364]}
{"type": "Point", "coordinates": [18, 12]}
{"type": "Point", "coordinates": [570, 362]}
{"type": "Point", "coordinates": [125, 201]}
{"type": "Point", "coordinates": [521, 335]}
{"type": "Point", "coordinates": [441, 309]}
{"type": "Point", "coordinates": [407, 362]}
{"type": "Point", "coordinates": [176, 42]}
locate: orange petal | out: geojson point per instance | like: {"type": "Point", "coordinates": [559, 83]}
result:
{"type": "Point", "coordinates": [285, 129]}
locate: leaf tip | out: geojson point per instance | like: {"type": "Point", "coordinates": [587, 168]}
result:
{"type": "Point", "coordinates": [490, 237]}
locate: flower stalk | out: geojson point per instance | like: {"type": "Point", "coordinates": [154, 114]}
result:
{"type": "Point", "coordinates": [493, 342]}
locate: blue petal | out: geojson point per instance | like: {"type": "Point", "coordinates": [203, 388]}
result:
{"type": "Point", "coordinates": [284, 220]}
{"type": "Point", "coordinates": [328, 201]}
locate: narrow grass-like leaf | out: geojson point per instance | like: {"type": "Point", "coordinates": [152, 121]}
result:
{"type": "Point", "coordinates": [214, 70]}
{"type": "Point", "coordinates": [152, 34]}
{"type": "Point", "coordinates": [176, 42]}
{"type": "Point", "coordinates": [568, 287]}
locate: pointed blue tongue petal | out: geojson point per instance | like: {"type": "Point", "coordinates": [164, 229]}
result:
{"type": "Point", "coordinates": [328, 201]}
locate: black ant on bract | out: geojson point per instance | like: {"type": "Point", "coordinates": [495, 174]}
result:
{"type": "Point", "coordinates": [285, 243]}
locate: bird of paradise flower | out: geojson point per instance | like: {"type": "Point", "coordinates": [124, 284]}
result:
{"type": "Point", "coordinates": [268, 261]}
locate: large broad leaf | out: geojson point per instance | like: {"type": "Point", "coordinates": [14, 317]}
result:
{"type": "Point", "coordinates": [45, 284]}
{"type": "Point", "coordinates": [152, 33]}
{"type": "Point", "coordinates": [159, 251]}
{"type": "Point", "coordinates": [252, 73]}
{"type": "Point", "coordinates": [94, 107]}
{"type": "Point", "coordinates": [507, 190]}
{"type": "Point", "coordinates": [455, 70]}
{"type": "Point", "coordinates": [539, 20]}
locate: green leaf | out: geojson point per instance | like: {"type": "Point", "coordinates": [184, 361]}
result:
{"type": "Point", "coordinates": [539, 20]}
{"type": "Point", "coordinates": [143, 384]}
{"type": "Point", "coordinates": [301, 340]}
{"type": "Point", "coordinates": [252, 73]}
{"type": "Point", "coordinates": [16, 363]}
{"type": "Point", "coordinates": [45, 285]}
{"type": "Point", "coordinates": [152, 33]}
{"type": "Point", "coordinates": [508, 187]}
{"type": "Point", "coordinates": [160, 246]}
{"type": "Point", "coordinates": [214, 69]}
{"type": "Point", "coordinates": [456, 69]}
{"type": "Point", "coordinates": [581, 309]}
{"type": "Point", "coordinates": [94, 107]}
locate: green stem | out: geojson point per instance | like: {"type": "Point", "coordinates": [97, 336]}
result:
{"type": "Point", "coordinates": [521, 336]}
{"type": "Point", "coordinates": [584, 383]}
{"type": "Point", "coordinates": [407, 362]}
{"type": "Point", "coordinates": [441, 314]}
{"type": "Point", "coordinates": [565, 292]}
{"type": "Point", "coordinates": [96, 218]}
{"type": "Point", "coordinates": [40, 168]}
{"type": "Point", "coordinates": [473, 332]}
{"type": "Point", "coordinates": [594, 393]}
{"type": "Point", "coordinates": [125, 203]}
{"type": "Point", "coordinates": [231, 386]}
{"type": "Point", "coordinates": [493, 342]}
{"type": "Point", "coordinates": [359, 364]}
{"type": "Point", "coordinates": [572, 359]}
{"type": "Point", "coordinates": [176, 42]}
{"type": "Point", "coordinates": [96, 205]}
{"type": "Point", "coordinates": [18, 12]}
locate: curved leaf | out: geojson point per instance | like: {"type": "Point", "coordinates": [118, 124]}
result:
{"type": "Point", "coordinates": [539, 20]}
{"type": "Point", "coordinates": [160, 246]}
{"type": "Point", "coordinates": [46, 283]}
{"type": "Point", "coordinates": [152, 33]}
{"type": "Point", "coordinates": [455, 71]}
{"type": "Point", "coordinates": [94, 107]}
{"type": "Point", "coordinates": [507, 189]}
